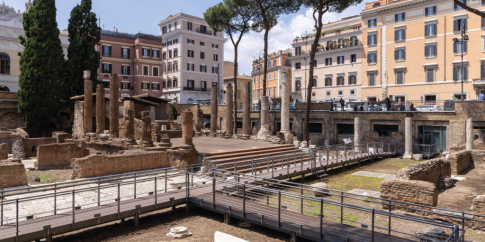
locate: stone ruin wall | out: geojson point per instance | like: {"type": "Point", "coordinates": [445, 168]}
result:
{"type": "Point", "coordinates": [12, 174]}
{"type": "Point", "coordinates": [102, 165]}
{"type": "Point", "coordinates": [429, 171]}
{"type": "Point", "coordinates": [460, 161]}
{"type": "Point", "coordinates": [58, 156]}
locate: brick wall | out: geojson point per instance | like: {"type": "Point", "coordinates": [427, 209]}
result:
{"type": "Point", "coordinates": [58, 156]}
{"type": "Point", "coordinates": [418, 192]}
{"type": "Point", "coordinates": [12, 174]}
{"type": "Point", "coordinates": [459, 161]}
{"type": "Point", "coordinates": [31, 144]}
{"type": "Point", "coordinates": [479, 205]}
{"type": "Point", "coordinates": [101, 165]}
{"type": "Point", "coordinates": [429, 171]}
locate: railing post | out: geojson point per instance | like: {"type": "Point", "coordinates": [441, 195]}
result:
{"type": "Point", "coordinates": [320, 158]}
{"type": "Point", "coordinates": [134, 183]}
{"type": "Point", "coordinates": [373, 215]}
{"type": "Point", "coordinates": [301, 199]}
{"type": "Point", "coordinates": [214, 193]}
{"type": "Point", "coordinates": [267, 163]}
{"type": "Point", "coordinates": [272, 167]}
{"type": "Point", "coordinates": [99, 192]}
{"type": "Point", "coordinates": [155, 192]}
{"type": "Point", "coordinates": [166, 180]}
{"type": "Point", "coordinates": [328, 157]}
{"type": "Point", "coordinates": [1, 222]}
{"type": "Point", "coordinates": [337, 156]}
{"type": "Point", "coordinates": [279, 209]}
{"type": "Point", "coordinates": [244, 200]}
{"type": "Point", "coordinates": [252, 165]}
{"type": "Point", "coordinates": [288, 166]}
{"type": "Point", "coordinates": [321, 219]}
{"type": "Point", "coordinates": [73, 208]}
{"type": "Point", "coordinates": [55, 201]}
{"type": "Point", "coordinates": [17, 219]}
{"type": "Point", "coordinates": [390, 210]}
{"type": "Point", "coordinates": [119, 200]}
{"type": "Point", "coordinates": [341, 207]}
{"type": "Point", "coordinates": [463, 225]}
{"type": "Point", "coordinates": [187, 186]}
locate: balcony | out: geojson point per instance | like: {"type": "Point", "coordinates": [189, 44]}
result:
{"type": "Point", "coordinates": [203, 31]}
{"type": "Point", "coordinates": [479, 82]}
{"type": "Point", "coordinates": [334, 47]}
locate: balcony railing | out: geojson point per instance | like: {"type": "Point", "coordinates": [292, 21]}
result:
{"type": "Point", "coordinates": [196, 89]}
{"type": "Point", "coordinates": [479, 82]}
{"type": "Point", "coordinates": [333, 47]}
{"type": "Point", "coordinates": [203, 31]}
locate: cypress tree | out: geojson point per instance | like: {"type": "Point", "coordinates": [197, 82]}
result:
{"type": "Point", "coordinates": [41, 64]}
{"type": "Point", "coordinates": [84, 35]}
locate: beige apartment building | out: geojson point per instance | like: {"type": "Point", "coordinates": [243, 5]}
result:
{"type": "Point", "coordinates": [193, 55]}
{"type": "Point", "coordinates": [276, 63]}
{"type": "Point", "coordinates": [411, 53]}
{"type": "Point", "coordinates": [240, 80]}
{"type": "Point", "coordinates": [337, 67]}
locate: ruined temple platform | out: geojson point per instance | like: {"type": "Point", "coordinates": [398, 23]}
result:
{"type": "Point", "coordinates": [206, 145]}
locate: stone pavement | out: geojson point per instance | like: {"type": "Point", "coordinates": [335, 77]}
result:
{"type": "Point", "coordinates": [373, 174]}
{"type": "Point", "coordinates": [86, 199]}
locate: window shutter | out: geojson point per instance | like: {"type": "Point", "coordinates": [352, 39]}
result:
{"type": "Point", "coordinates": [426, 11]}
{"type": "Point", "coordinates": [369, 23]}
{"type": "Point", "coordinates": [109, 48]}
{"type": "Point", "coordinates": [465, 72]}
{"type": "Point", "coordinates": [455, 77]}
{"type": "Point", "coordinates": [128, 70]}
{"type": "Point", "coordinates": [454, 47]}
{"type": "Point", "coordinates": [465, 46]}
{"type": "Point", "coordinates": [404, 54]}
{"type": "Point", "coordinates": [395, 55]}
{"type": "Point", "coordinates": [396, 17]}
{"type": "Point", "coordinates": [368, 40]}
{"type": "Point", "coordinates": [483, 71]}
{"type": "Point", "coordinates": [455, 25]}
{"type": "Point", "coordinates": [368, 58]}
{"type": "Point", "coordinates": [396, 35]}
{"type": "Point", "coordinates": [403, 34]}
{"type": "Point", "coordinates": [435, 50]}
{"type": "Point", "coordinates": [426, 50]}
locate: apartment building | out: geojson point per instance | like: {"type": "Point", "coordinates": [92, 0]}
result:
{"type": "Point", "coordinates": [413, 50]}
{"type": "Point", "coordinates": [276, 63]}
{"type": "Point", "coordinates": [193, 58]}
{"type": "Point", "coordinates": [240, 80]}
{"type": "Point", "coordinates": [135, 58]}
{"type": "Point", "coordinates": [337, 66]}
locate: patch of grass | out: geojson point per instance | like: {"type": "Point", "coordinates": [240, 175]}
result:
{"type": "Point", "coordinates": [402, 164]}
{"type": "Point", "coordinates": [47, 178]}
{"type": "Point", "coordinates": [348, 182]}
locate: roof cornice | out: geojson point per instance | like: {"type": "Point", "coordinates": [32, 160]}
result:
{"type": "Point", "coordinates": [401, 5]}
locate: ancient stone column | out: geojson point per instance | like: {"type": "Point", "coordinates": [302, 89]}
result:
{"type": "Point", "coordinates": [357, 134]}
{"type": "Point", "coordinates": [366, 106]}
{"type": "Point", "coordinates": [187, 128]}
{"type": "Point", "coordinates": [152, 113]}
{"type": "Point", "coordinates": [146, 130]}
{"type": "Point", "coordinates": [199, 123]}
{"type": "Point", "coordinates": [246, 130]}
{"type": "Point", "coordinates": [129, 123]}
{"type": "Point", "coordinates": [88, 103]}
{"type": "Point", "coordinates": [4, 151]}
{"type": "Point", "coordinates": [229, 111]}
{"type": "Point", "coordinates": [264, 131]}
{"type": "Point", "coordinates": [213, 109]}
{"type": "Point", "coordinates": [408, 105]}
{"type": "Point", "coordinates": [114, 107]}
{"type": "Point", "coordinates": [285, 106]}
{"type": "Point", "coordinates": [469, 134]}
{"type": "Point", "coordinates": [100, 110]}
{"type": "Point", "coordinates": [408, 145]}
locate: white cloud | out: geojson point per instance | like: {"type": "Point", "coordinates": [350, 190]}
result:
{"type": "Point", "coordinates": [280, 37]}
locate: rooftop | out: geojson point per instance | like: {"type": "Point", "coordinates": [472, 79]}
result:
{"type": "Point", "coordinates": [239, 77]}
{"type": "Point", "coordinates": [121, 35]}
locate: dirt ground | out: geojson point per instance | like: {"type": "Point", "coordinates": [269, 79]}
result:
{"type": "Point", "coordinates": [154, 227]}
{"type": "Point", "coordinates": [48, 176]}
{"type": "Point", "coordinates": [460, 196]}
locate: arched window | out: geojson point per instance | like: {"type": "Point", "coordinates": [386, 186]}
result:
{"type": "Point", "coordinates": [164, 84]}
{"type": "Point", "coordinates": [4, 89]}
{"type": "Point", "coordinates": [175, 82]}
{"type": "Point", "coordinates": [169, 83]}
{"type": "Point", "coordinates": [4, 63]}
{"type": "Point", "coordinates": [190, 100]}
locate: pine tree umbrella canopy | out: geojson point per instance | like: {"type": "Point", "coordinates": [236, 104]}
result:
{"type": "Point", "coordinates": [41, 66]}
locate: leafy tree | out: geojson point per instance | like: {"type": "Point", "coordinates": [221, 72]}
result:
{"type": "Point", "coordinates": [41, 64]}
{"type": "Point", "coordinates": [320, 7]}
{"type": "Point", "coordinates": [84, 35]}
{"type": "Point", "coordinates": [267, 18]}
{"type": "Point", "coordinates": [233, 17]}
{"type": "Point", "coordinates": [469, 9]}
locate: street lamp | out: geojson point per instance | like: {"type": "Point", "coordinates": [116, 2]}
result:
{"type": "Point", "coordinates": [304, 35]}
{"type": "Point", "coordinates": [464, 38]}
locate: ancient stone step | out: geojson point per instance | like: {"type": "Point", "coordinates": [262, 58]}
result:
{"type": "Point", "coordinates": [246, 150]}
{"type": "Point", "coordinates": [260, 153]}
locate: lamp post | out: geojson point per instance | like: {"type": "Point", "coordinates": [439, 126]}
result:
{"type": "Point", "coordinates": [259, 73]}
{"type": "Point", "coordinates": [464, 38]}
{"type": "Point", "coordinates": [304, 58]}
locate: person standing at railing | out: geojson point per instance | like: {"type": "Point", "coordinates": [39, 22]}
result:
{"type": "Point", "coordinates": [481, 96]}
{"type": "Point", "coordinates": [342, 103]}
{"type": "Point", "coordinates": [388, 104]}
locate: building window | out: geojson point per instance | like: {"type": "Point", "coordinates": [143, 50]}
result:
{"type": "Point", "coordinates": [328, 61]}
{"type": "Point", "coordinates": [215, 46]}
{"type": "Point", "coordinates": [145, 86]}
{"type": "Point", "coordinates": [372, 39]}
{"type": "Point", "coordinates": [175, 66]}
{"type": "Point", "coordinates": [125, 70]}
{"type": "Point", "coordinates": [106, 68]}
{"type": "Point", "coordinates": [340, 59]}
{"type": "Point", "coordinates": [202, 43]}
{"type": "Point", "coordinates": [170, 54]}
{"type": "Point", "coordinates": [175, 25]}
{"type": "Point", "coordinates": [353, 58]}
{"type": "Point", "coordinates": [269, 91]}
{"type": "Point", "coordinates": [430, 74]}
{"type": "Point", "coordinates": [431, 10]}
{"type": "Point", "coordinates": [189, 25]}
{"type": "Point", "coordinates": [399, 54]}
{"type": "Point", "coordinates": [459, 24]}
{"type": "Point", "coordinates": [352, 80]}
{"type": "Point", "coordinates": [372, 79]}
{"type": "Point", "coordinates": [315, 128]}
{"type": "Point", "coordinates": [175, 41]}
{"type": "Point", "coordinates": [458, 74]}
{"type": "Point", "coordinates": [4, 63]}
{"type": "Point", "coordinates": [169, 67]}
{"type": "Point", "coordinates": [145, 71]}
{"type": "Point", "coordinates": [203, 85]}
{"type": "Point", "coordinates": [398, 17]}
{"type": "Point", "coordinates": [190, 41]}
{"type": "Point", "coordinates": [340, 81]}
{"type": "Point", "coordinates": [315, 63]}
{"type": "Point", "coordinates": [372, 58]}
{"type": "Point", "coordinates": [105, 84]}
{"type": "Point", "coordinates": [155, 86]}
{"type": "Point", "coordinates": [274, 62]}
{"type": "Point", "coordinates": [175, 83]}
{"type": "Point", "coordinates": [190, 53]}
{"type": "Point", "coordinates": [372, 23]}
{"type": "Point", "coordinates": [385, 130]}
{"type": "Point", "coordinates": [155, 71]}
{"type": "Point", "coordinates": [376, 5]}
{"type": "Point", "coordinates": [328, 82]}
{"type": "Point", "coordinates": [269, 64]}
{"type": "Point", "coordinates": [155, 53]}
{"type": "Point", "coordinates": [106, 51]}
{"type": "Point", "coordinates": [457, 7]}
{"type": "Point", "coordinates": [169, 83]}
{"type": "Point", "coordinates": [126, 53]}
{"type": "Point", "coordinates": [125, 85]}
{"type": "Point", "coordinates": [327, 94]}
{"type": "Point", "coordinates": [430, 30]}
{"type": "Point", "coordinates": [459, 47]}
{"type": "Point", "coordinates": [352, 92]}
{"type": "Point", "coordinates": [203, 68]}
{"type": "Point", "coordinates": [164, 55]}
{"type": "Point", "coordinates": [430, 50]}
{"type": "Point", "coordinates": [175, 52]}
{"type": "Point", "coordinates": [202, 55]}
{"type": "Point", "coordinates": [145, 52]}
{"type": "Point", "coordinates": [400, 34]}
{"type": "Point", "coordinates": [400, 76]}
{"type": "Point", "coordinates": [314, 82]}
{"type": "Point", "coordinates": [298, 85]}
{"type": "Point", "coordinates": [215, 57]}
{"type": "Point", "coordinates": [298, 65]}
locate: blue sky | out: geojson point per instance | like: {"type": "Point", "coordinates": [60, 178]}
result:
{"type": "Point", "coordinates": [132, 16]}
